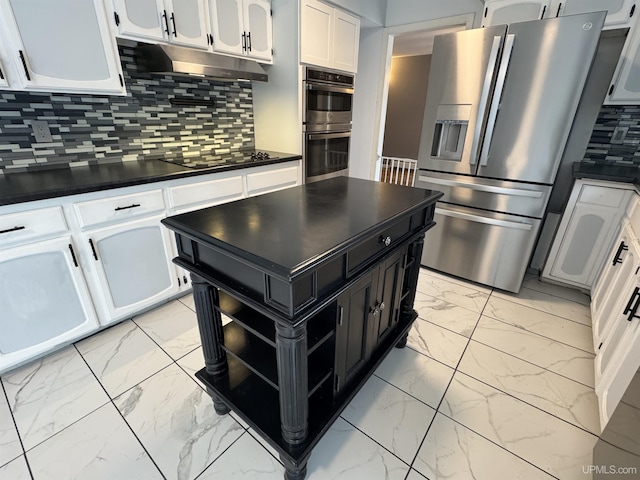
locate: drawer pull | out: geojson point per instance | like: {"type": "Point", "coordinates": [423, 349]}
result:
{"type": "Point", "coordinates": [621, 248]}
{"type": "Point", "coordinates": [9, 230]}
{"type": "Point", "coordinates": [386, 240]}
{"type": "Point", "coordinates": [93, 250]}
{"type": "Point", "coordinates": [631, 310]}
{"type": "Point", "coordinates": [134, 205]}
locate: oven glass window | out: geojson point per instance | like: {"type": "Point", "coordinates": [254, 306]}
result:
{"type": "Point", "coordinates": [320, 101]}
{"type": "Point", "coordinates": [326, 155]}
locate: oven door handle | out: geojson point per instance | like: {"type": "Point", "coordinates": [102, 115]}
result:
{"type": "Point", "coordinates": [329, 88]}
{"type": "Point", "coordinates": [328, 136]}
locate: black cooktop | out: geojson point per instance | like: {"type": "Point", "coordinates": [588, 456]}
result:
{"type": "Point", "coordinates": [224, 159]}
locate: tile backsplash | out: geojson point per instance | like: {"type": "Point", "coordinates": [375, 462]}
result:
{"type": "Point", "coordinates": [90, 129]}
{"type": "Point", "coordinates": [622, 150]}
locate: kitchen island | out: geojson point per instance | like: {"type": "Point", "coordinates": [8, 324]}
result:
{"type": "Point", "coordinates": [319, 281]}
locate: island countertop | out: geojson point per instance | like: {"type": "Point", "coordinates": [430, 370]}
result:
{"type": "Point", "coordinates": [289, 231]}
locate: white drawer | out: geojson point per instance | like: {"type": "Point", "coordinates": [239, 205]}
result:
{"type": "Point", "coordinates": [604, 196]}
{"type": "Point", "coordinates": [209, 193]}
{"type": "Point", "coordinates": [119, 209]}
{"type": "Point", "coordinates": [271, 180]}
{"type": "Point", "coordinates": [23, 227]}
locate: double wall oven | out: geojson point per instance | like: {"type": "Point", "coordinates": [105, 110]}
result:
{"type": "Point", "coordinates": [328, 102]}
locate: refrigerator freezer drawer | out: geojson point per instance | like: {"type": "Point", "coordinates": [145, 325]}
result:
{"type": "Point", "coordinates": [497, 195]}
{"type": "Point", "coordinates": [484, 247]}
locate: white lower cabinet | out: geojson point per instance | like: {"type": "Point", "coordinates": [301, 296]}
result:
{"type": "Point", "coordinates": [70, 265]}
{"type": "Point", "coordinates": [620, 266]}
{"type": "Point", "coordinates": [586, 232]}
{"type": "Point", "coordinates": [44, 300]}
{"type": "Point", "coordinates": [130, 261]}
{"type": "Point", "coordinates": [615, 313]}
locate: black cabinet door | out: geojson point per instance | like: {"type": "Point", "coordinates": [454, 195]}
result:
{"type": "Point", "coordinates": [368, 312]}
{"type": "Point", "coordinates": [388, 297]}
{"type": "Point", "coordinates": [353, 332]}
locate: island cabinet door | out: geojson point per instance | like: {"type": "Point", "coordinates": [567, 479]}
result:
{"type": "Point", "coordinates": [369, 312]}
{"type": "Point", "coordinates": [389, 293]}
{"type": "Point", "coordinates": [354, 331]}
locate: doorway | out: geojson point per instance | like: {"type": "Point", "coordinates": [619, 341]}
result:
{"type": "Point", "coordinates": [404, 96]}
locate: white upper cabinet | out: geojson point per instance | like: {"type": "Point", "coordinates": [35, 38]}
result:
{"type": "Point", "coordinates": [187, 21]}
{"type": "Point", "coordinates": [227, 26]}
{"type": "Point", "coordinates": [625, 85]}
{"type": "Point", "coordinates": [143, 19]}
{"type": "Point", "coordinates": [620, 13]}
{"type": "Point", "coordinates": [329, 37]}
{"type": "Point", "coordinates": [180, 22]}
{"type": "Point", "coordinates": [65, 46]}
{"type": "Point", "coordinates": [500, 12]}
{"type": "Point", "coordinates": [242, 27]}
{"type": "Point", "coordinates": [258, 24]}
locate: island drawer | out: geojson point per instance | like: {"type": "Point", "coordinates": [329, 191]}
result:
{"type": "Point", "coordinates": [370, 248]}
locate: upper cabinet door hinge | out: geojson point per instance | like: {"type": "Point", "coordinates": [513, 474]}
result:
{"type": "Point", "coordinates": [116, 17]}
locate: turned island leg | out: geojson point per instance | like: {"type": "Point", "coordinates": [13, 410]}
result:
{"type": "Point", "coordinates": [291, 345]}
{"type": "Point", "coordinates": [206, 298]}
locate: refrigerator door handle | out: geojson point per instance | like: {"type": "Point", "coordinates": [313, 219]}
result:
{"type": "Point", "coordinates": [483, 188]}
{"type": "Point", "coordinates": [486, 220]}
{"type": "Point", "coordinates": [484, 98]}
{"type": "Point", "coordinates": [497, 96]}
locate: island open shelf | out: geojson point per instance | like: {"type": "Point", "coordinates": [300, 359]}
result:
{"type": "Point", "coordinates": [319, 283]}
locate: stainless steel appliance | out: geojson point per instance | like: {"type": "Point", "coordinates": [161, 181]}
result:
{"type": "Point", "coordinates": [328, 103]}
{"type": "Point", "coordinates": [500, 105]}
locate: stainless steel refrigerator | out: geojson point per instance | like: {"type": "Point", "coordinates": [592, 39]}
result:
{"type": "Point", "coordinates": [500, 104]}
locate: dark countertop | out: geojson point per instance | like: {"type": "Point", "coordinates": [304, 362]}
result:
{"type": "Point", "coordinates": [288, 231]}
{"type": "Point", "coordinates": [59, 182]}
{"type": "Point", "coordinates": [607, 172]}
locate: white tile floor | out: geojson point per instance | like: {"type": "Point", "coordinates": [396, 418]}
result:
{"type": "Point", "coordinates": [491, 386]}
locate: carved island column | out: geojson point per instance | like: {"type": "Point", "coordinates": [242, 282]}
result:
{"type": "Point", "coordinates": [206, 298]}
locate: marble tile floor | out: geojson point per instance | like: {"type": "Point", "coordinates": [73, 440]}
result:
{"type": "Point", "coordinates": [491, 386]}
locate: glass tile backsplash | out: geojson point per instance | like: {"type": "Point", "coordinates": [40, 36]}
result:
{"type": "Point", "coordinates": [91, 129]}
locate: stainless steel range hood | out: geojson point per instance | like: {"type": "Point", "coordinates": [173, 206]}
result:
{"type": "Point", "coordinates": [167, 59]}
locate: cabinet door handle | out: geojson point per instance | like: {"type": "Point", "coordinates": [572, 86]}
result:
{"type": "Point", "coordinates": [14, 229]}
{"type": "Point", "coordinates": [93, 250]}
{"type": "Point", "coordinates": [559, 8]}
{"type": "Point", "coordinates": [24, 65]}
{"type": "Point", "coordinates": [73, 255]}
{"type": "Point", "coordinates": [1, 74]}
{"type": "Point", "coordinates": [244, 42]}
{"type": "Point", "coordinates": [621, 248]}
{"type": "Point", "coordinates": [249, 41]}
{"type": "Point", "coordinates": [133, 205]}
{"type": "Point", "coordinates": [184, 279]}
{"type": "Point", "coordinates": [631, 310]}
{"type": "Point", "coordinates": [173, 22]}
{"type": "Point", "coordinates": [166, 22]}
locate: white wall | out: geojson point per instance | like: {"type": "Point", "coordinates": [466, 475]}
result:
{"type": "Point", "coordinates": [366, 103]}
{"type": "Point", "coordinates": [400, 12]}
{"type": "Point", "coordinates": [276, 104]}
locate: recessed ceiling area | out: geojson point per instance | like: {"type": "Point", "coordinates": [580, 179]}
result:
{"type": "Point", "coordinates": [419, 43]}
